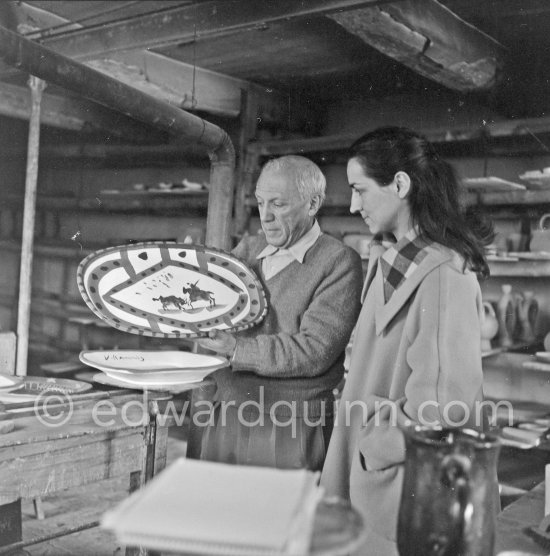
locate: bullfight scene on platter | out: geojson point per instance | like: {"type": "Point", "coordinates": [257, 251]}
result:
{"type": "Point", "coordinates": [171, 290]}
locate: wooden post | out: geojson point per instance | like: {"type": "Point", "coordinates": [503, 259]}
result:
{"type": "Point", "coordinates": [29, 210]}
{"type": "Point", "coordinates": [246, 163]}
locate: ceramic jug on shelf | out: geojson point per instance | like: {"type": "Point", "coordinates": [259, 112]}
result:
{"type": "Point", "coordinates": [507, 316]}
{"type": "Point", "coordinates": [527, 308]}
{"type": "Point", "coordinates": [540, 240]}
{"type": "Point", "coordinates": [449, 496]}
{"type": "Point", "coordinates": [489, 326]}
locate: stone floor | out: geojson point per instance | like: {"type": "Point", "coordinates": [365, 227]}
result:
{"type": "Point", "coordinates": [83, 505]}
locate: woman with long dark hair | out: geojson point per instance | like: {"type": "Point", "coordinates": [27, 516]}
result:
{"type": "Point", "coordinates": [416, 355]}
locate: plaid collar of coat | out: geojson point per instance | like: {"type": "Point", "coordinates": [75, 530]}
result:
{"type": "Point", "coordinates": [401, 260]}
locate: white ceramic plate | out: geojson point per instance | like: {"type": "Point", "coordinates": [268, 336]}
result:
{"type": "Point", "coordinates": [536, 179]}
{"type": "Point", "coordinates": [138, 361]}
{"type": "Point", "coordinates": [37, 385]}
{"type": "Point", "coordinates": [492, 183]}
{"type": "Point", "coordinates": [502, 259]}
{"type": "Point", "coordinates": [536, 366]}
{"type": "Point", "coordinates": [171, 290]}
{"type": "Point", "coordinates": [158, 378]}
{"type": "Point", "coordinates": [106, 380]}
{"type": "Point", "coordinates": [543, 356]}
{"type": "Point", "coordinates": [9, 382]}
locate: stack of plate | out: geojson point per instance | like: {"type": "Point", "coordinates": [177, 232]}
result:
{"type": "Point", "coordinates": [8, 383]}
{"type": "Point", "coordinates": [152, 369]}
{"type": "Point", "coordinates": [542, 362]}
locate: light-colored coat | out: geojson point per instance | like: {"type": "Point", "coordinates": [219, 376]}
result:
{"type": "Point", "coordinates": [422, 351]}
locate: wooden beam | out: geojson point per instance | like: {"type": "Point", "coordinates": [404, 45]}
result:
{"type": "Point", "coordinates": [517, 137]}
{"type": "Point", "coordinates": [431, 40]}
{"type": "Point", "coordinates": [499, 10]}
{"type": "Point", "coordinates": [169, 79]}
{"type": "Point", "coordinates": [76, 115]}
{"type": "Point", "coordinates": [184, 23]}
{"type": "Point", "coordinates": [29, 216]}
{"type": "Point", "coordinates": [189, 87]}
{"type": "Point", "coordinates": [136, 154]}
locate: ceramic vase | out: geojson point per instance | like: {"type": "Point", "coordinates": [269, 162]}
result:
{"type": "Point", "coordinates": [527, 309]}
{"type": "Point", "coordinates": [489, 326]}
{"type": "Point", "coordinates": [507, 317]}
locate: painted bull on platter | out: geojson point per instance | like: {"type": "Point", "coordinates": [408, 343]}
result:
{"type": "Point", "coordinates": [174, 301]}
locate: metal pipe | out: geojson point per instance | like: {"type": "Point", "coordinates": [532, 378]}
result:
{"type": "Point", "coordinates": [53, 67]}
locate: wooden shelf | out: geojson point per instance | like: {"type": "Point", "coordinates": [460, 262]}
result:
{"type": "Point", "coordinates": [531, 269]}
{"type": "Point", "coordinates": [53, 250]}
{"type": "Point", "coordinates": [529, 198]}
{"type": "Point", "coordinates": [124, 201]}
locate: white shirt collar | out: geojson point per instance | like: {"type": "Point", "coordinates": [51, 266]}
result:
{"type": "Point", "coordinates": [299, 249]}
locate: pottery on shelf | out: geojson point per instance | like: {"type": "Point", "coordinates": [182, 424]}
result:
{"type": "Point", "coordinates": [527, 311]}
{"type": "Point", "coordinates": [507, 317]}
{"type": "Point", "coordinates": [540, 240]}
{"type": "Point", "coordinates": [489, 326]}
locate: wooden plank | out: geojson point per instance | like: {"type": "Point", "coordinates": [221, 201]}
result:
{"type": "Point", "coordinates": [520, 128]}
{"type": "Point", "coordinates": [181, 24]}
{"type": "Point", "coordinates": [79, 115]}
{"type": "Point", "coordinates": [29, 212]}
{"type": "Point", "coordinates": [60, 469]}
{"type": "Point", "coordinates": [191, 88]}
{"type": "Point", "coordinates": [170, 80]}
{"type": "Point", "coordinates": [533, 269]}
{"type": "Point", "coordinates": [431, 40]}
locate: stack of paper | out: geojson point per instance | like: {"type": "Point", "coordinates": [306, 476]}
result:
{"type": "Point", "coordinates": [212, 508]}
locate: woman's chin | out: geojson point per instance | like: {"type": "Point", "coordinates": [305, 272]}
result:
{"type": "Point", "coordinates": [373, 228]}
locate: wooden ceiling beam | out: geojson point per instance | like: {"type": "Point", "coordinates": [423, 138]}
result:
{"type": "Point", "coordinates": [499, 10]}
{"type": "Point", "coordinates": [178, 83]}
{"type": "Point", "coordinates": [189, 87]}
{"type": "Point", "coordinates": [184, 23]}
{"type": "Point", "coordinates": [429, 39]}
{"type": "Point", "coordinates": [76, 115]}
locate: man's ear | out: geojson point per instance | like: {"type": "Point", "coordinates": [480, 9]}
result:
{"type": "Point", "coordinates": [314, 205]}
{"type": "Point", "coordinates": [402, 184]}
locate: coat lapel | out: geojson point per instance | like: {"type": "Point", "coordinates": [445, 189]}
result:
{"type": "Point", "coordinates": [385, 313]}
{"type": "Point", "coordinates": [376, 251]}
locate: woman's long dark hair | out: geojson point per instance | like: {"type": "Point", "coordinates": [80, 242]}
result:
{"type": "Point", "coordinates": [434, 198]}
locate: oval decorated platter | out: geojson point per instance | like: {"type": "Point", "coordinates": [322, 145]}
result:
{"type": "Point", "coordinates": [171, 290]}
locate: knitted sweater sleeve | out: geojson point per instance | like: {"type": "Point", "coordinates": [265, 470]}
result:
{"type": "Point", "coordinates": [325, 327]}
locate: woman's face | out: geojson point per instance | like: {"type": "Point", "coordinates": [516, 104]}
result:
{"type": "Point", "coordinates": [380, 207]}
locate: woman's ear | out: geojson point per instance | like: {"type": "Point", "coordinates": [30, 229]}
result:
{"type": "Point", "coordinates": [402, 184]}
{"type": "Point", "coordinates": [314, 205]}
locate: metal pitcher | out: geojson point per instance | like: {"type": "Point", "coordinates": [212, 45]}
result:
{"type": "Point", "coordinates": [449, 500]}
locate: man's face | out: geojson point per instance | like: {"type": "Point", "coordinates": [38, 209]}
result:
{"type": "Point", "coordinates": [285, 216]}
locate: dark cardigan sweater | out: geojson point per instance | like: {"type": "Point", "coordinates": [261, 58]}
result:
{"type": "Point", "coordinates": [297, 352]}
